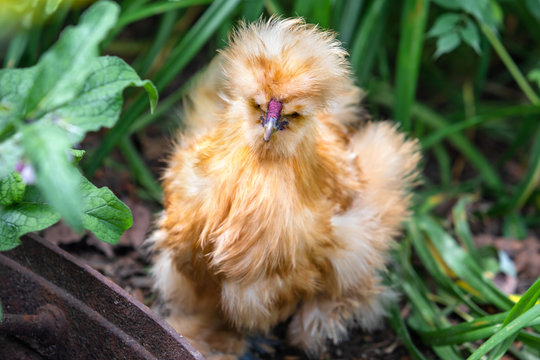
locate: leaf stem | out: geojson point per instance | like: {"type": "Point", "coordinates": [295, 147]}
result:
{"type": "Point", "coordinates": [510, 64]}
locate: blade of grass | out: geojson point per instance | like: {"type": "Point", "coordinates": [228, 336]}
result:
{"type": "Point", "coordinates": [401, 329]}
{"type": "Point", "coordinates": [384, 95]}
{"type": "Point", "coordinates": [477, 329]}
{"type": "Point", "coordinates": [352, 10]}
{"type": "Point", "coordinates": [524, 320]}
{"type": "Point", "coordinates": [274, 8]}
{"type": "Point", "coordinates": [413, 24]}
{"type": "Point", "coordinates": [16, 48]}
{"type": "Point", "coordinates": [368, 39]}
{"type": "Point", "coordinates": [139, 170]}
{"type": "Point", "coordinates": [462, 264]}
{"type": "Point", "coordinates": [57, 22]}
{"type": "Point", "coordinates": [526, 302]}
{"type": "Point", "coordinates": [320, 13]}
{"type": "Point", "coordinates": [461, 226]}
{"type": "Point", "coordinates": [439, 274]}
{"type": "Point", "coordinates": [166, 25]}
{"type": "Point", "coordinates": [416, 291]}
{"type": "Point", "coordinates": [188, 47]}
{"type": "Point", "coordinates": [252, 9]}
{"type": "Point", "coordinates": [531, 180]}
{"type": "Point", "coordinates": [154, 8]}
{"type": "Point", "coordinates": [303, 8]}
{"type": "Point", "coordinates": [501, 113]}
{"type": "Point", "coordinates": [162, 107]}
{"type": "Point", "coordinates": [443, 159]}
{"type": "Point", "coordinates": [510, 64]}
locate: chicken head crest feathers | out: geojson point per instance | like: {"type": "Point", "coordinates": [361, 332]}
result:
{"type": "Point", "coordinates": [280, 199]}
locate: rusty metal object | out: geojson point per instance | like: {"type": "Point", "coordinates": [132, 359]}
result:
{"type": "Point", "coordinates": [55, 307]}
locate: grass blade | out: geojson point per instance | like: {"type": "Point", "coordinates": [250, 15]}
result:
{"type": "Point", "coordinates": [462, 263]}
{"type": "Point", "coordinates": [413, 24]}
{"type": "Point", "coordinates": [383, 95]}
{"type": "Point", "coordinates": [462, 229]}
{"type": "Point", "coordinates": [532, 178]}
{"type": "Point", "coordinates": [16, 48]}
{"type": "Point", "coordinates": [368, 39]}
{"type": "Point", "coordinates": [501, 113]}
{"type": "Point", "coordinates": [139, 169]}
{"type": "Point", "coordinates": [524, 320]}
{"type": "Point", "coordinates": [510, 64]}
{"type": "Point", "coordinates": [252, 9]}
{"type": "Point", "coordinates": [352, 10]}
{"type": "Point", "coordinates": [526, 302]}
{"type": "Point", "coordinates": [401, 329]}
{"type": "Point", "coordinates": [153, 9]}
{"type": "Point", "coordinates": [166, 25]}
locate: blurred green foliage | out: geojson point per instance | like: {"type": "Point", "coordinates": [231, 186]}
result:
{"type": "Point", "coordinates": [460, 75]}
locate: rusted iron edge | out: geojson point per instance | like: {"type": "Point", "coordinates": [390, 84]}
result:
{"type": "Point", "coordinates": [66, 272]}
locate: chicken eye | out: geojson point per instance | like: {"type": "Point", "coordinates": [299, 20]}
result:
{"type": "Point", "coordinates": [256, 105]}
{"type": "Point", "coordinates": [294, 115]}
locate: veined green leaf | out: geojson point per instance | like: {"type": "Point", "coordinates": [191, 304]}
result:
{"type": "Point", "coordinates": [444, 24]}
{"type": "Point", "coordinates": [47, 108]}
{"type": "Point", "coordinates": [62, 71]}
{"type": "Point", "coordinates": [31, 214]}
{"type": "Point", "coordinates": [103, 214]}
{"type": "Point", "coordinates": [11, 189]}
{"type": "Point", "coordinates": [100, 101]}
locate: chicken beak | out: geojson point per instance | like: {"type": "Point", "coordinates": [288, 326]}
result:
{"type": "Point", "coordinates": [270, 127]}
{"type": "Point", "coordinates": [271, 123]}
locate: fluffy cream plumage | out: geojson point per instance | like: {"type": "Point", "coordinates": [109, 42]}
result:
{"type": "Point", "coordinates": [254, 232]}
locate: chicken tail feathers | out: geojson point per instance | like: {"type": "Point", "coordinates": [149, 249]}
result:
{"type": "Point", "coordinates": [388, 163]}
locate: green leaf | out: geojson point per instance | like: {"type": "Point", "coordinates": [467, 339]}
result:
{"type": "Point", "coordinates": [444, 24]}
{"type": "Point", "coordinates": [48, 147]}
{"type": "Point", "coordinates": [62, 71]}
{"type": "Point", "coordinates": [77, 155]}
{"type": "Point", "coordinates": [100, 102]}
{"type": "Point", "coordinates": [15, 86]}
{"type": "Point", "coordinates": [447, 43]}
{"type": "Point", "coordinates": [52, 105]}
{"type": "Point", "coordinates": [31, 214]}
{"type": "Point", "coordinates": [10, 153]}
{"type": "Point", "coordinates": [104, 215]}
{"type": "Point", "coordinates": [11, 189]}
{"type": "Point", "coordinates": [470, 35]}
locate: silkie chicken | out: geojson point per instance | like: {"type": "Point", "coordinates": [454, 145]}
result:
{"type": "Point", "coordinates": [280, 202]}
